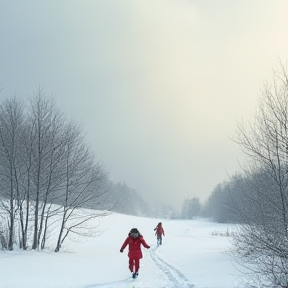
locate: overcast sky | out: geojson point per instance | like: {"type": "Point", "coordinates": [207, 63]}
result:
{"type": "Point", "coordinates": [158, 84]}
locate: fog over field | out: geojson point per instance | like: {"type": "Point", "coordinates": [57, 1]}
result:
{"type": "Point", "coordinates": [158, 85]}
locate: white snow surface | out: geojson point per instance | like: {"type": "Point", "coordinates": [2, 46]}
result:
{"type": "Point", "coordinates": [190, 256]}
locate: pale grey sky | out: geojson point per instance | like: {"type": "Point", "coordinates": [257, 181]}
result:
{"type": "Point", "coordinates": [158, 84]}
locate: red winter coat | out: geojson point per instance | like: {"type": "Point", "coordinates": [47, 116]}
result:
{"type": "Point", "coordinates": [159, 230]}
{"type": "Point", "coordinates": [135, 246]}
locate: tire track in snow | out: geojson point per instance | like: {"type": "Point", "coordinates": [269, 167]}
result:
{"type": "Point", "coordinates": [176, 278]}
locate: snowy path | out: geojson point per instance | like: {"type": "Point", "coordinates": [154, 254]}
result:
{"type": "Point", "coordinates": [190, 257]}
{"type": "Point", "coordinates": [173, 275]}
{"type": "Point", "coordinates": [162, 272]}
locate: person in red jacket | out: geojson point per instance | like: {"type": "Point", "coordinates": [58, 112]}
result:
{"type": "Point", "coordinates": [159, 232]}
{"type": "Point", "coordinates": [134, 240]}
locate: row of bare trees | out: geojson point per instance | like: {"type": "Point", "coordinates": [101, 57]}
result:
{"type": "Point", "coordinates": [257, 198]}
{"type": "Point", "coordinates": [47, 174]}
{"type": "Point", "coordinates": [263, 240]}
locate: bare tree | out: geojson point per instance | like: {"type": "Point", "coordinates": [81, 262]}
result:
{"type": "Point", "coordinates": [84, 183]}
{"type": "Point", "coordinates": [262, 242]}
{"type": "Point", "coordinates": [47, 173]}
{"type": "Point", "coordinates": [11, 132]}
{"type": "Point", "coordinates": [45, 124]}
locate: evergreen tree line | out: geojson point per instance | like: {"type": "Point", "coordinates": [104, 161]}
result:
{"type": "Point", "coordinates": [191, 208]}
{"type": "Point", "coordinates": [236, 200]}
{"type": "Point", "coordinates": [123, 199]}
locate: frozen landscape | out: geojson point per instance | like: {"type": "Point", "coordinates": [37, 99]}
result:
{"type": "Point", "coordinates": [193, 254]}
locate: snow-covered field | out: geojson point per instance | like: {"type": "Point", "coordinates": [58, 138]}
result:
{"type": "Point", "coordinates": [191, 256]}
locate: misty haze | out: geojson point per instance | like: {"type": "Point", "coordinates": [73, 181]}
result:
{"type": "Point", "coordinates": [168, 111]}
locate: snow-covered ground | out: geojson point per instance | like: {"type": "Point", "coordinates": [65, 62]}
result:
{"type": "Point", "coordinates": [191, 256]}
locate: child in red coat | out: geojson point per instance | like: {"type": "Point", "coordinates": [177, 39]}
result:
{"type": "Point", "coordinates": [134, 240]}
{"type": "Point", "coordinates": [159, 232]}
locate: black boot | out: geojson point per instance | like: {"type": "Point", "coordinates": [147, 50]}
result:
{"type": "Point", "coordinates": [134, 275]}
